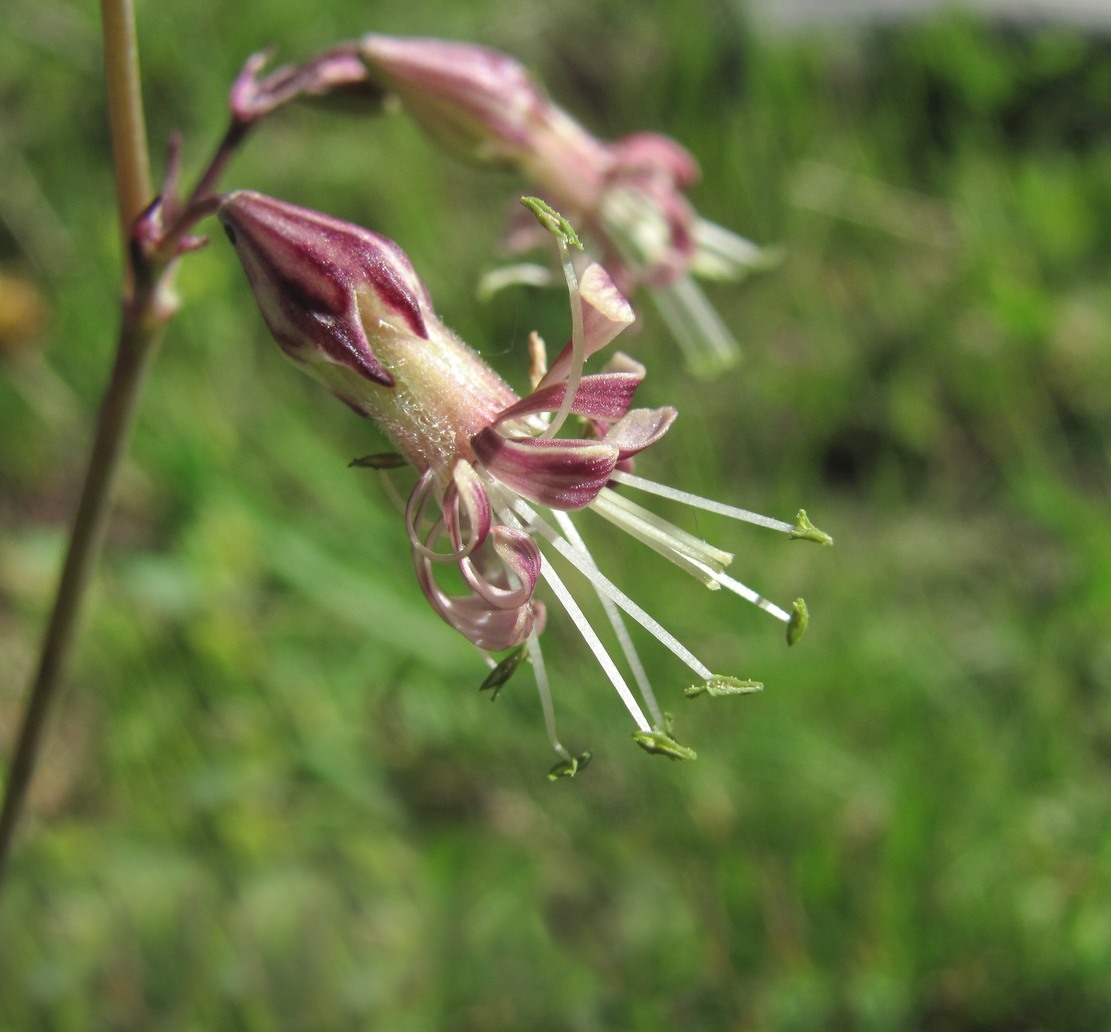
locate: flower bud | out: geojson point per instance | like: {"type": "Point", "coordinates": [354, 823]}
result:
{"type": "Point", "coordinates": [628, 196]}
{"type": "Point", "coordinates": [346, 305]}
{"type": "Point", "coordinates": [320, 281]}
{"type": "Point", "coordinates": [476, 102]}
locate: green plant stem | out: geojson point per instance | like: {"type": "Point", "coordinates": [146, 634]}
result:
{"type": "Point", "coordinates": [141, 328]}
{"type": "Point", "coordinates": [112, 433]}
{"type": "Point", "coordinates": [130, 156]}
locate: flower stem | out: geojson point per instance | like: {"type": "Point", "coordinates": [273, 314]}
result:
{"type": "Point", "coordinates": [141, 327]}
{"type": "Point", "coordinates": [130, 156]}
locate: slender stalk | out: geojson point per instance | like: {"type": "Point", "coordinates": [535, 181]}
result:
{"type": "Point", "coordinates": [140, 331]}
{"type": "Point", "coordinates": [150, 251]}
{"type": "Point", "coordinates": [130, 156]}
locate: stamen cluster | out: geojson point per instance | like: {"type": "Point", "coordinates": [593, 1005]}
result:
{"type": "Point", "coordinates": [495, 478]}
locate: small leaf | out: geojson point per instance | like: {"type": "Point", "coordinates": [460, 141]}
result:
{"type": "Point", "coordinates": [800, 620]}
{"type": "Point", "coordinates": [505, 669]}
{"type": "Point", "coordinates": [720, 684]}
{"type": "Point", "coordinates": [804, 530]}
{"type": "Point", "coordinates": [569, 768]}
{"type": "Point", "coordinates": [381, 460]}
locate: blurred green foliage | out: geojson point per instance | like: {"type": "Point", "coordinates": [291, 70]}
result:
{"type": "Point", "coordinates": [272, 796]}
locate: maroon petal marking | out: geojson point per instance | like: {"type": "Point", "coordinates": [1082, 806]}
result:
{"type": "Point", "coordinates": [319, 280]}
{"type": "Point", "coordinates": [639, 429]}
{"type": "Point", "coordinates": [561, 474]}
{"type": "Point", "coordinates": [600, 396]}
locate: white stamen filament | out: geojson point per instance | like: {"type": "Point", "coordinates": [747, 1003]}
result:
{"type": "Point", "coordinates": [520, 274]}
{"type": "Point", "coordinates": [698, 502]}
{"type": "Point", "coordinates": [604, 585]}
{"type": "Point", "coordinates": [685, 550]}
{"type": "Point", "coordinates": [617, 622]}
{"type": "Point", "coordinates": [582, 624]}
{"type": "Point", "coordinates": [704, 338]}
{"type": "Point", "coordinates": [745, 592]}
{"type": "Point", "coordinates": [540, 672]}
{"type": "Point", "coordinates": [636, 226]}
{"type": "Point", "coordinates": [390, 490]}
{"type": "Point", "coordinates": [578, 343]}
{"type": "Point", "coordinates": [721, 254]}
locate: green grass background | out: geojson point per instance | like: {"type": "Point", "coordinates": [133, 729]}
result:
{"type": "Point", "coordinates": [272, 797]}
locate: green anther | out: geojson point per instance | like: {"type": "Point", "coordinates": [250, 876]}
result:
{"type": "Point", "coordinates": [720, 684]}
{"type": "Point", "coordinates": [382, 460]}
{"type": "Point", "coordinates": [569, 768]}
{"type": "Point", "coordinates": [804, 530]}
{"type": "Point", "coordinates": [660, 744]}
{"type": "Point", "coordinates": [497, 677]}
{"type": "Point", "coordinates": [800, 618]}
{"type": "Point", "coordinates": [552, 221]}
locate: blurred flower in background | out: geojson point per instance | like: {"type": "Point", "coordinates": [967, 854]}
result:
{"type": "Point", "coordinates": [628, 195]}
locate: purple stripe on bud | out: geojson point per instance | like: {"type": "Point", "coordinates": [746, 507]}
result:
{"type": "Point", "coordinates": [321, 282]}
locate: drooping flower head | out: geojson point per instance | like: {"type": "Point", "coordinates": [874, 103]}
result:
{"type": "Point", "coordinates": [494, 478]}
{"type": "Point", "coordinates": [628, 195]}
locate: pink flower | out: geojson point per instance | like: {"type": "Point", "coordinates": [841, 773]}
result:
{"type": "Point", "coordinates": [494, 481]}
{"type": "Point", "coordinates": [628, 195]}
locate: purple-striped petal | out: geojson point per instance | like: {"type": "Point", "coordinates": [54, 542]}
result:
{"type": "Point", "coordinates": [559, 473]}
{"type": "Point", "coordinates": [639, 429]}
{"type": "Point", "coordinates": [605, 314]}
{"type": "Point", "coordinates": [600, 396]}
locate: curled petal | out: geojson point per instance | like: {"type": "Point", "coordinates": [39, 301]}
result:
{"type": "Point", "coordinates": [605, 314]}
{"type": "Point", "coordinates": [466, 497]}
{"type": "Point", "coordinates": [558, 473]}
{"type": "Point", "coordinates": [489, 627]}
{"type": "Point", "coordinates": [519, 556]}
{"type": "Point", "coordinates": [600, 396]}
{"type": "Point", "coordinates": [639, 429]}
{"type": "Point", "coordinates": [414, 508]}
